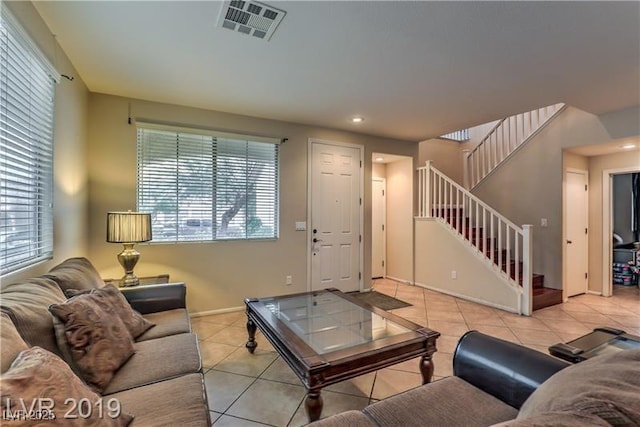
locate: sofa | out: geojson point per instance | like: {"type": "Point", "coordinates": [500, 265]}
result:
{"type": "Point", "coordinates": [498, 383]}
{"type": "Point", "coordinates": [154, 378]}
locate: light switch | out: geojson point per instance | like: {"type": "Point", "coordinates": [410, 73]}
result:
{"type": "Point", "coordinates": [301, 225]}
{"type": "Point", "coordinates": [543, 222]}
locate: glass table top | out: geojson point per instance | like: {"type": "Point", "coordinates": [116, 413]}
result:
{"type": "Point", "coordinates": [326, 322]}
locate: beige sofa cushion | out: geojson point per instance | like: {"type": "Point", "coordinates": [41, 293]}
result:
{"type": "Point", "coordinates": [111, 299]}
{"type": "Point", "coordinates": [11, 343]}
{"type": "Point", "coordinates": [94, 341]}
{"type": "Point", "coordinates": [346, 419]}
{"type": "Point", "coordinates": [176, 402]}
{"type": "Point", "coordinates": [157, 360]}
{"type": "Point", "coordinates": [447, 402]}
{"type": "Point", "coordinates": [606, 386]}
{"type": "Point", "coordinates": [169, 322]}
{"type": "Point", "coordinates": [26, 302]}
{"type": "Point", "coordinates": [39, 374]}
{"type": "Point", "coordinates": [76, 273]}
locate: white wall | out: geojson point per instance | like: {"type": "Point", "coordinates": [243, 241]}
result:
{"type": "Point", "coordinates": [219, 275]}
{"type": "Point", "coordinates": [445, 155]}
{"type": "Point", "coordinates": [439, 253]}
{"type": "Point", "coordinates": [529, 186]}
{"type": "Point", "coordinates": [70, 197]}
{"type": "Point", "coordinates": [400, 196]}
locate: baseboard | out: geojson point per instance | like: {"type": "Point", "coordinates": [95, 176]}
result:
{"type": "Point", "coordinates": [219, 311]}
{"type": "Point", "coordinates": [397, 279]}
{"type": "Point", "coordinates": [468, 298]}
{"type": "Point", "coordinates": [594, 293]}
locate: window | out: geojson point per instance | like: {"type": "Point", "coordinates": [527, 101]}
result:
{"type": "Point", "coordinates": [27, 86]}
{"type": "Point", "coordinates": [203, 186]}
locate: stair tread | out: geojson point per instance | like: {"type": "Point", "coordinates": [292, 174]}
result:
{"type": "Point", "coordinates": [546, 297]}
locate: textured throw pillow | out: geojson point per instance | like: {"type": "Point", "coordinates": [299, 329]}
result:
{"type": "Point", "coordinates": [11, 343]}
{"type": "Point", "coordinates": [112, 300]}
{"type": "Point", "coordinates": [42, 383]}
{"type": "Point", "coordinates": [607, 387]}
{"type": "Point", "coordinates": [94, 341]}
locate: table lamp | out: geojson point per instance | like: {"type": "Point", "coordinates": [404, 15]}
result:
{"type": "Point", "coordinates": [128, 228]}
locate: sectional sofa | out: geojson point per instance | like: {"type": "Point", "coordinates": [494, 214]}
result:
{"type": "Point", "coordinates": [158, 380]}
{"type": "Point", "coordinates": [498, 383]}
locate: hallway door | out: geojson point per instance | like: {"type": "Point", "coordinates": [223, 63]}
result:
{"type": "Point", "coordinates": [378, 227]}
{"type": "Point", "coordinates": [576, 211]}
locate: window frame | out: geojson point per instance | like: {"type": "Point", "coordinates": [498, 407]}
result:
{"type": "Point", "coordinates": [28, 127]}
{"type": "Point", "coordinates": [213, 215]}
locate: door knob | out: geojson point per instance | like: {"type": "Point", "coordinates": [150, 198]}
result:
{"type": "Point", "coordinates": [569, 242]}
{"type": "Point", "coordinates": [316, 240]}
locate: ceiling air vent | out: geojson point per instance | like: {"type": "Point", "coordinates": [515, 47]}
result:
{"type": "Point", "coordinates": [250, 17]}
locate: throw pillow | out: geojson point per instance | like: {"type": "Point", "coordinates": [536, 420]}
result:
{"type": "Point", "coordinates": [12, 342]}
{"type": "Point", "coordinates": [114, 302]}
{"type": "Point", "coordinates": [42, 385]}
{"type": "Point", "coordinates": [606, 386]}
{"type": "Point", "coordinates": [94, 341]}
{"type": "Point", "coordinates": [76, 273]}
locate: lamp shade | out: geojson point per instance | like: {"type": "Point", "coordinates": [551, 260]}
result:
{"type": "Point", "coordinates": [128, 227]}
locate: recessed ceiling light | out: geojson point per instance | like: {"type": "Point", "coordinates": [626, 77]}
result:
{"type": "Point", "coordinates": [357, 119]}
{"type": "Point", "coordinates": [379, 159]}
{"type": "Point", "coordinates": [628, 146]}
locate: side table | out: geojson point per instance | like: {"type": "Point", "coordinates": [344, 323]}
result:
{"type": "Point", "coordinates": [147, 280]}
{"type": "Point", "coordinates": [600, 341]}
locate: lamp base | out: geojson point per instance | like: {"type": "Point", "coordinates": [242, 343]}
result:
{"type": "Point", "coordinates": [128, 259]}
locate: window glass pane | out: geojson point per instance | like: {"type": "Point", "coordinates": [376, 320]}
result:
{"type": "Point", "coordinates": [26, 151]}
{"type": "Point", "coordinates": [201, 187]}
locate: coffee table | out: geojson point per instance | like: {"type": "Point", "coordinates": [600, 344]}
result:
{"type": "Point", "coordinates": [327, 337]}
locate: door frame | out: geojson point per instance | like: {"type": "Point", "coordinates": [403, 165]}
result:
{"type": "Point", "coordinates": [607, 225]}
{"type": "Point", "coordinates": [384, 222]}
{"type": "Point", "coordinates": [565, 198]}
{"type": "Point", "coordinates": [360, 148]}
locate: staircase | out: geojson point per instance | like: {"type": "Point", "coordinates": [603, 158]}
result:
{"type": "Point", "coordinates": [506, 137]}
{"type": "Point", "coordinates": [496, 239]}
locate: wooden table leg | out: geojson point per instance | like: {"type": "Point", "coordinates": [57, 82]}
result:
{"type": "Point", "coordinates": [313, 404]}
{"type": "Point", "coordinates": [251, 329]}
{"type": "Point", "coordinates": [426, 368]}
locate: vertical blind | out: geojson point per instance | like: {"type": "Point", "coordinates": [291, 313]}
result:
{"type": "Point", "coordinates": [201, 187]}
{"type": "Point", "coordinates": [27, 86]}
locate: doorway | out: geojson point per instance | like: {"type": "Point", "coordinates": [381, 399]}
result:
{"type": "Point", "coordinates": [378, 228]}
{"type": "Point", "coordinates": [336, 215]}
{"type": "Point", "coordinates": [576, 211]}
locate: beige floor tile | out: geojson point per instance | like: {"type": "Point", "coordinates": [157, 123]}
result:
{"type": "Point", "coordinates": [213, 353]}
{"type": "Point", "coordinates": [359, 386]}
{"type": "Point", "coordinates": [449, 316]}
{"type": "Point", "coordinates": [412, 365]}
{"type": "Point", "coordinates": [501, 332]}
{"type": "Point", "coordinates": [525, 322]}
{"type": "Point", "coordinates": [225, 318]}
{"type": "Point", "coordinates": [567, 326]}
{"type": "Point", "coordinates": [230, 335]}
{"type": "Point", "coordinates": [573, 306]}
{"type": "Point", "coordinates": [214, 416]}
{"type": "Point", "coordinates": [531, 336]}
{"type": "Point", "coordinates": [592, 317]}
{"type": "Point", "coordinates": [442, 306]}
{"type": "Point", "coordinates": [280, 371]}
{"type": "Point", "coordinates": [630, 321]}
{"type": "Point", "coordinates": [224, 388]}
{"type": "Point", "coordinates": [334, 403]}
{"type": "Point", "coordinates": [554, 313]}
{"type": "Point", "coordinates": [483, 319]}
{"type": "Point", "coordinates": [244, 363]}
{"type": "Point", "coordinates": [447, 343]}
{"type": "Point", "coordinates": [205, 329]}
{"type": "Point", "coordinates": [443, 364]}
{"type": "Point", "coordinates": [411, 311]}
{"type": "Point", "coordinates": [268, 402]}
{"type": "Point", "coordinates": [448, 328]}
{"type": "Point", "coordinates": [389, 382]}
{"type": "Point", "coordinates": [228, 421]}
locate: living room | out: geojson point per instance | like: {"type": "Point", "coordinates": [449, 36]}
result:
{"type": "Point", "coordinates": [95, 159]}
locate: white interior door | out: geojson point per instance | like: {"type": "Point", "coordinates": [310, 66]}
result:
{"type": "Point", "coordinates": [577, 223]}
{"type": "Point", "coordinates": [335, 217]}
{"type": "Point", "coordinates": [378, 232]}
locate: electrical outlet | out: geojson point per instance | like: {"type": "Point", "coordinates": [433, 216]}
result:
{"type": "Point", "coordinates": [288, 280]}
{"type": "Point", "coordinates": [543, 222]}
{"type": "Point", "coordinates": [454, 274]}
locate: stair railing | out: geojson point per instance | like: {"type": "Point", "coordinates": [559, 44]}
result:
{"type": "Point", "coordinates": [506, 246]}
{"type": "Point", "coordinates": [507, 136]}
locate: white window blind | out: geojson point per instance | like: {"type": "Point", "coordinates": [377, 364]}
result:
{"type": "Point", "coordinates": [27, 87]}
{"type": "Point", "coordinates": [202, 187]}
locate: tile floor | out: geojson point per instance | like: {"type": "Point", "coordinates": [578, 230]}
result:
{"type": "Point", "coordinates": [260, 389]}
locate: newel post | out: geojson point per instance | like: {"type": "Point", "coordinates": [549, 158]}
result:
{"type": "Point", "coordinates": [428, 211]}
{"type": "Point", "coordinates": [527, 269]}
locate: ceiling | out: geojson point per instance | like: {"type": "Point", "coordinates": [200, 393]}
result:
{"type": "Point", "coordinates": [413, 70]}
